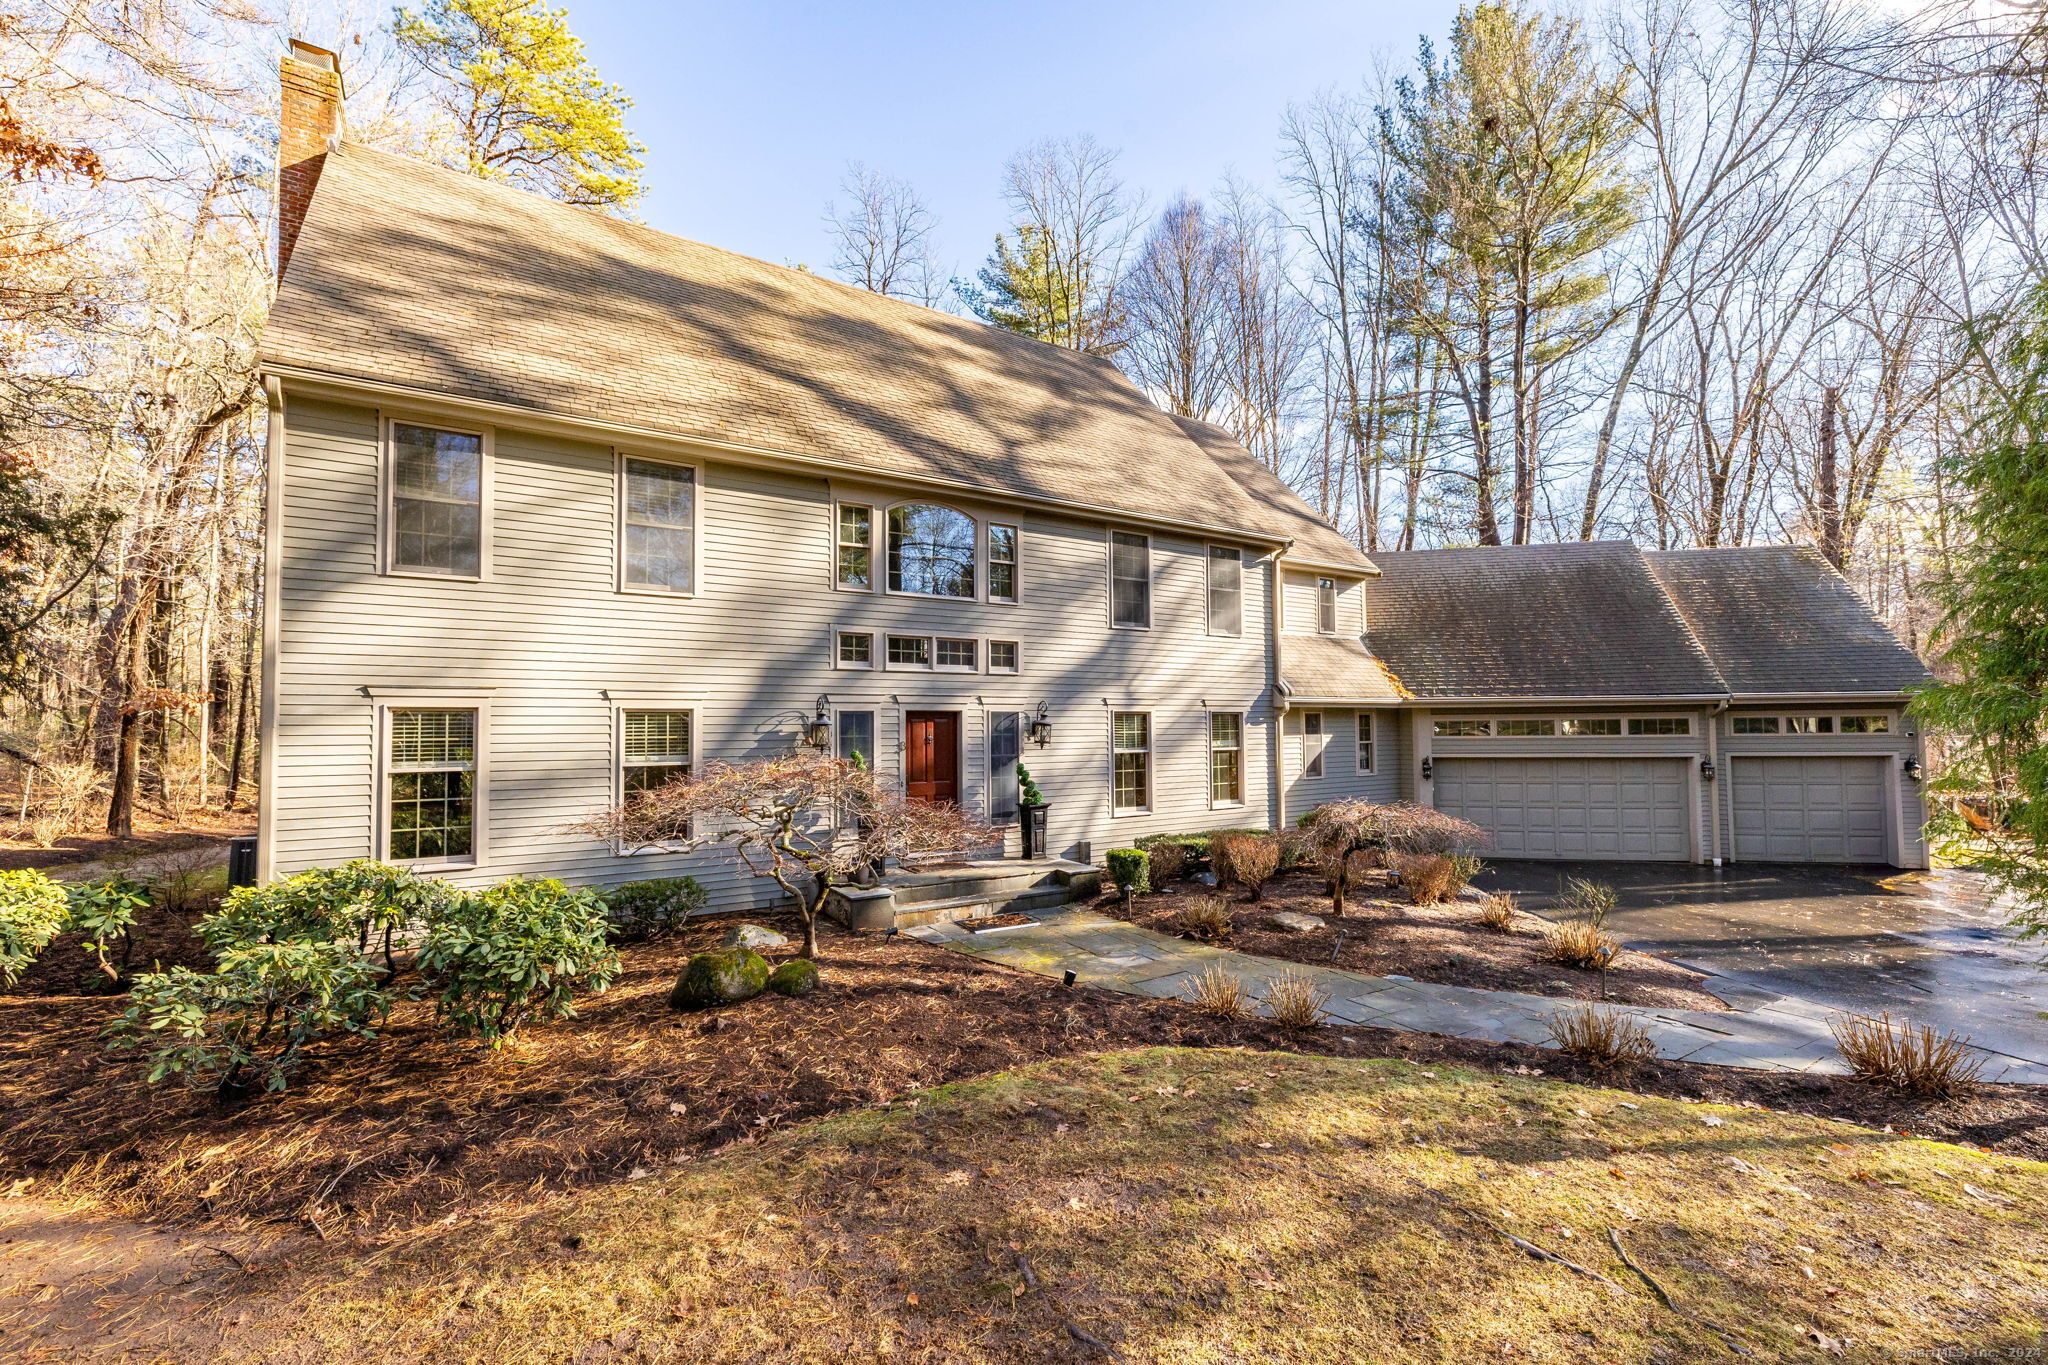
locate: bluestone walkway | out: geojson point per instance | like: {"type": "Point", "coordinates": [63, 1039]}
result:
{"type": "Point", "coordinates": [1783, 1034]}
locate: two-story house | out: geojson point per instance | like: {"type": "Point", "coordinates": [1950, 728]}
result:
{"type": "Point", "coordinates": [560, 506]}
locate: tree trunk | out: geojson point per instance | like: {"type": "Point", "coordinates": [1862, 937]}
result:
{"type": "Point", "coordinates": [128, 734]}
{"type": "Point", "coordinates": [1827, 482]}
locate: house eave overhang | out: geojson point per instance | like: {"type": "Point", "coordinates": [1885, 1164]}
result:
{"type": "Point", "coordinates": [314, 383]}
{"type": "Point", "coordinates": [1613, 699]}
{"type": "Point", "coordinates": [1864, 694]}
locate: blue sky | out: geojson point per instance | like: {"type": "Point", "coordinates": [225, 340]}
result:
{"type": "Point", "coordinates": [751, 111]}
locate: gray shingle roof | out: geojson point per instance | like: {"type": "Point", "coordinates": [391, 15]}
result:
{"type": "Point", "coordinates": [1316, 542]}
{"type": "Point", "coordinates": [417, 275]}
{"type": "Point", "coordinates": [1607, 620]}
{"type": "Point", "coordinates": [1336, 668]}
{"type": "Point", "coordinates": [1778, 619]}
{"type": "Point", "coordinates": [1533, 621]}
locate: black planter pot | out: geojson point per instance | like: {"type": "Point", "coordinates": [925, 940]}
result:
{"type": "Point", "coordinates": [1033, 818]}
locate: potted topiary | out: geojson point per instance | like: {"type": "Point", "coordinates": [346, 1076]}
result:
{"type": "Point", "coordinates": [1031, 810]}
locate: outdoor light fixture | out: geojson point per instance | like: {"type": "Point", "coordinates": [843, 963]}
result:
{"type": "Point", "coordinates": [1428, 768]}
{"type": "Point", "coordinates": [1707, 769]}
{"type": "Point", "coordinates": [1069, 977]}
{"type": "Point", "coordinates": [1912, 767]}
{"type": "Point", "coordinates": [818, 729]}
{"type": "Point", "coordinates": [1041, 726]}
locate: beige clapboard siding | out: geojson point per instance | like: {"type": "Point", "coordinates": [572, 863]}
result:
{"type": "Point", "coordinates": [547, 635]}
{"type": "Point", "coordinates": [1299, 596]}
{"type": "Point", "coordinates": [1341, 780]}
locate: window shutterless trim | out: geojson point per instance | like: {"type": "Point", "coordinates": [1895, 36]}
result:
{"type": "Point", "coordinates": [1150, 751]}
{"type": "Point", "coordinates": [1212, 749]}
{"type": "Point", "coordinates": [874, 646]}
{"type": "Point", "coordinates": [620, 706]}
{"type": "Point", "coordinates": [1326, 606]}
{"type": "Point", "coordinates": [1233, 555]}
{"type": "Point", "coordinates": [1109, 544]}
{"type": "Point", "coordinates": [1015, 562]}
{"type": "Point", "coordinates": [387, 700]}
{"type": "Point", "coordinates": [837, 545]}
{"type": "Point", "coordinates": [1320, 758]}
{"type": "Point", "coordinates": [881, 559]}
{"type": "Point", "coordinates": [621, 458]}
{"type": "Point", "coordinates": [1365, 744]}
{"type": "Point", "coordinates": [1016, 665]}
{"type": "Point", "coordinates": [387, 494]}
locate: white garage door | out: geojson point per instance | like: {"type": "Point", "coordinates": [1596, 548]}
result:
{"type": "Point", "coordinates": [1571, 807]}
{"type": "Point", "coordinates": [1810, 810]}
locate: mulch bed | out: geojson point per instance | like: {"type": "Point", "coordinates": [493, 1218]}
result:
{"type": "Point", "coordinates": [412, 1127]}
{"type": "Point", "coordinates": [152, 837]}
{"type": "Point", "coordinates": [1442, 943]}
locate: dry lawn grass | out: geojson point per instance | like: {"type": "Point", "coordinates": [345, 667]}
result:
{"type": "Point", "coordinates": [1202, 1207]}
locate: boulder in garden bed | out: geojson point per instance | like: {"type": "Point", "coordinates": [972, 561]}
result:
{"type": "Point", "coordinates": [1472, 894]}
{"type": "Point", "coordinates": [1293, 921]}
{"type": "Point", "coordinates": [723, 976]}
{"type": "Point", "coordinates": [797, 976]}
{"type": "Point", "coordinates": [755, 937]}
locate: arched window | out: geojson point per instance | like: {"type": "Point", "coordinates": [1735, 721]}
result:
{"type": "Point", "coordinates": [931, 551]}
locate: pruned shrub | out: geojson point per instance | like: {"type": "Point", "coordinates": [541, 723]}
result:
{"type": "Point", "coordinates": [1580, 943]}
{"type": "Point", "coordinates": [32, 912]}
{"type": "Point", "coordinates": [519, 951]}
{"type": "Point", "coordinates": [1464, 867]}
{"type": "Point", "coordinates": [1249, 860]}
{"type": "Point", "coordinates": [1296, 1000]}
{"type": "Point", "coordinates": [1204, 917]}
{"type": "Point", "coordinates": [647, 910]}
{"type": "Point", "coordinates": [1168, 861]}
{"type": "Point", "coordinates": [1426, 877]}
{"type": "Point", "coordinates": [1347, 838]}
{"type": "Point", "coordinates": [1497, 911]}
{"type": "Point", "coordinates": [1219, 993]}
{"type": "Point", "coordinates": [1588, 899]}
{"type": "Point", "coordinates": [104, 914]}
{"type": "Point", "coordinates": [1603, 1037]}
{"type": "Point", "coordinates": [1908, 1057]}
{"type": "Point", "coordinates": [352, 903]}
{"type": "Point", "coordinates": [1128, 868]}
{"type": "Point", "coordinates": [247, 1024]}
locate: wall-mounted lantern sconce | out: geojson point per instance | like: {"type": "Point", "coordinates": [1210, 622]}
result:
{"type": "Point", "coordinates": [1428, 769]}
{"type": "Point", "coordinates": [1912, 767]}
{"type": "Point", "coordinates": [1707, 769]}
{"type": "Point", "coordinates": [1041, 726]}
{"type": "Point", "coordinates": [818, 729]}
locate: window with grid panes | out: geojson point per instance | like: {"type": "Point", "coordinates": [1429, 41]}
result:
{"type": "Point", "coordinates": [432, 777]}
{"type": "Point", "coordinates": [1131, 747]}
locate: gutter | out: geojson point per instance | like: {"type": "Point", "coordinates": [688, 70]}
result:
{"type": "Point", "coordinates": [1275, 585]}
{"type": "Point", "coordinates": [347, 388]}
{"type": "Point", "coordinates": [273, 578]}
{"type": "Point", "coordinates": [1619, 699]}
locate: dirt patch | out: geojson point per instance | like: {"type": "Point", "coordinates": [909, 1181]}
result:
{"type": "Point", "coordinates": [412, 1127]}
{"type": "Point", "coordinates": [1441, 943]}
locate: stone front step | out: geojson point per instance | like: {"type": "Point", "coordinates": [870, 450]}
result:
{"type": "Point", "coordinates": [942, 895]}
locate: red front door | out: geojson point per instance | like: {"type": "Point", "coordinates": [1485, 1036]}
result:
{"type": "Point", "coordinates": [931, 756]}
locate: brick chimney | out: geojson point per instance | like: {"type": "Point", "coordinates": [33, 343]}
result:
{"type": "Point", "coordinates": [310, 118]}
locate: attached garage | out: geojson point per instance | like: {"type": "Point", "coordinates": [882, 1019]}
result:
{"type": "Point", "coordinates": [1615, 808]}
{"type": "Point", "coordinates": [1809, 809]}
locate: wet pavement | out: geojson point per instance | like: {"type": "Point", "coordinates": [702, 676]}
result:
{"type": "Point", "coordinates": [1929, 946]}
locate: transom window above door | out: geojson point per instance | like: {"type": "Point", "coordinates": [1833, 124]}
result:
{"type": "Point", "coordinates": [931, 551]}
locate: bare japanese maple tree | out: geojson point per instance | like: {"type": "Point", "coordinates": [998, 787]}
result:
{"type": "Point", "coordinates": [806, 821]}
{"type": "Point", "coordinates": [1336, 833]}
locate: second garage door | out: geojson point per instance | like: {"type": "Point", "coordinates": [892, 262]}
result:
{"type": "Point", "coordinates": [1571, 807]}
{"type": "Point", "coordinates": [1810, 810]}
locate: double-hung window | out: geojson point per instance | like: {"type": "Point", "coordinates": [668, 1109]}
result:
{"type": "Point", "coordinates": [431, 772]}
{"type": "Point", "coordinates": [1226, 758]}
{"type": "Point", "coordinates": [1326, 606]}
{"type": "Point", "coordinates": [856, 542]}
{"type": "Point", "coordinates": [1313, 742]}
{"type": "Point", "coordinates": [437, 501]}
{"type": "Point", "coordinates": [1226, 590]}
{"type": "Point", "coordinates": [1367, 759]}
{"type": "Point", "coordinates": [1131, 759]}
{"type": "Point", "coordinates": [1130, 579]}
{"type": "Point", "coordinates": [654, 749]}
{"type": "Point", "coordinates": [1002, 562]}
{"type": "Point", "coordinates": [660, 514]}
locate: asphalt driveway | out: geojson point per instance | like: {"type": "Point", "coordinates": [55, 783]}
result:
{"type": "Point", "coordinates": [1928, 946]}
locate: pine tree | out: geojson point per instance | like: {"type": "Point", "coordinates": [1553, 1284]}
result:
{"type": "Point", "coordinates": [1993, 638]}
{"type": "Point", "coordinates": [525, 101]}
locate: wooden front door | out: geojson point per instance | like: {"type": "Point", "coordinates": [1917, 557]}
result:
{"type": "Point", "coordinates": [931, 756]}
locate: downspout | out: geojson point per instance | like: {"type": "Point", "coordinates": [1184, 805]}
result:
{"type": "Point", "coordinates": [1714, 760]}
{"type": "Point", "coordinates": [1277, 806]}
{"type": "Point", "coordinates": [273, 574]}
